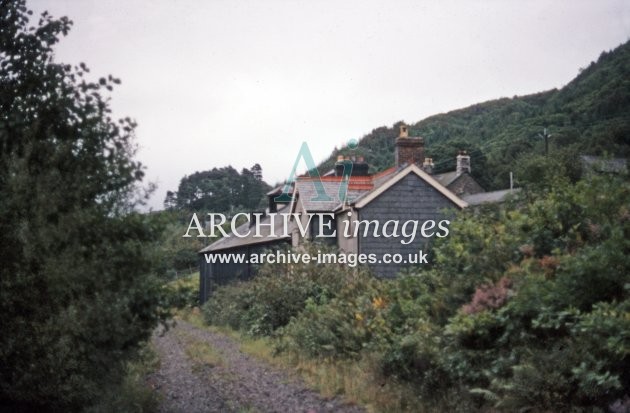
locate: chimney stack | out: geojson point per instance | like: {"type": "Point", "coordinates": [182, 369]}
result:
{"type": "Point", "coordinates": [409, 150]}
{"type": "Point", "coordinates": [359, 166]}
{"type": "Point", "coordinates": [463, 163]}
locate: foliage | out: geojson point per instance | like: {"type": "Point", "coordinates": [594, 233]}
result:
{"type": "Point", "coordinates": [184, 292]}
{"type": "Point", "coordinates": [133, 394]}
{"type": "Point", "coordinates": [220, 190]}
{"type": "Point", "coordinates": [537, 171]}
{"type": "Point", "coordinates": [278, 293]}
{"type": "Point", "coordinates": [340, 327]}
{"type": "Point", "coordinates": [174, 253]}
{"type": "Point", "coordinates": [76, 294]}
{"type": "Point", "coordinates": [537, 350]}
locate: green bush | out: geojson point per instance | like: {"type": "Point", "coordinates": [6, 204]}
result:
{"type": "Point", "coordinates": [184, 292]}
{"type": "Point", "coordinates": [230, 305]}
{"type": "Point", "coordinates": [559, 341]}
{"type": "Point", "coordinates": [77, 291]}
{"type": "Point", "coordinates": [276, 294]}
{"type": "Point", "coordinates": [341, 327]}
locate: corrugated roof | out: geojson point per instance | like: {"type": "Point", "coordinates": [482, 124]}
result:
{"type": "Point", "coordinates": [265, 231]}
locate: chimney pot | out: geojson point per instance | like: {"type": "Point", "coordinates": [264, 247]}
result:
{"type": "Point", "coordinates": [404, 131]}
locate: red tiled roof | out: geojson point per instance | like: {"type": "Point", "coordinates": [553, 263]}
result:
{"type": "Point", "coordinates": [360, 183]}
{"type": "Point", "coordinates": [356, 182]}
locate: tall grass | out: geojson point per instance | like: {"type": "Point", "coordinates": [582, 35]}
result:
{"type": "Point", "coordinates": [356, 382]}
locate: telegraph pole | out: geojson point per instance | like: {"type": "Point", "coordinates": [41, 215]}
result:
{"type": "Point", "coordinates": [545, 135]}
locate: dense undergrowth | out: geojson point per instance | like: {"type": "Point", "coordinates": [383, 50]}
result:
{"type": "Point", "coordinates": [526, 306]}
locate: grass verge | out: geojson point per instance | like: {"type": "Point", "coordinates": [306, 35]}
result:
{"type": "Point", "coordinates": [356, 382]}
{"type": "Point", "coordinates": [203, 354]}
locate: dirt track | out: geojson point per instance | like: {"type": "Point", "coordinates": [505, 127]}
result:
{"type": "Point", "coordinates": [231, 381]}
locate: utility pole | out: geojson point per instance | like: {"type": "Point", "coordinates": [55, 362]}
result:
{"type": "Point", "coordinates": [545, 135]}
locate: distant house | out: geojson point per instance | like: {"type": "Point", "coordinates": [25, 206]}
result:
{"type": "Point", "coordinates": [406, 191]}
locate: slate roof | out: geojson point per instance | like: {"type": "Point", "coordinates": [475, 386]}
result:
{"type": "Point", "coordinates": [446, 178]}
{"type": "Point", "coordinates": [307, 192]}
{"type": "Point", "coordinates": [396, 175]}
{"type": "Point", "coordinates": [382, 177]}
{"type": "Point", "coordinates": [358, 186]}
{"type": "Point", "coordinates": [278, 190]}
{"type": "Point", "coordinates": [233, 241]}
{"type": "Point", "coordinates": [489, 197]}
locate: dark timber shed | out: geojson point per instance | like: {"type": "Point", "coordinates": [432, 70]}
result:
{"type": "Point", "coordinates": [215, 274]}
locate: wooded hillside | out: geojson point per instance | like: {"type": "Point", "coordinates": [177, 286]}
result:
{"type": "Point", "coordinates": [590, 115]}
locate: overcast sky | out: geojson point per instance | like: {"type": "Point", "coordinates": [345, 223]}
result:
{"type": "Point", "coordinates": [228, 82]}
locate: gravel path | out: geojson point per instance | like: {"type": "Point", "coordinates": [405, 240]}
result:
{"type": "Point", "coordinates": [232, 382]}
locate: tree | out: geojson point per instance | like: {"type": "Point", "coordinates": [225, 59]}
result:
{"type": "Point", "coordinates": [257, 171]}
{"type": "Point", "coordinates": [218, 190]}
{"type": "Point", "coordinates": [170, 202]}
{"type": "Point", "coordinates": [76, 294]}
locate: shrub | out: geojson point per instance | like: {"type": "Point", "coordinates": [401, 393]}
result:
{"type": "Point", "coordinates": [184, 293]}
{"type": "Point", "coordinates": [276, 294]}
{"type": "Point", "coordinates": [77, 291]}
{"type": "Point", "coordinates": [341, 327]}
{"type": "Point", "coordinates": [229, 305]}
